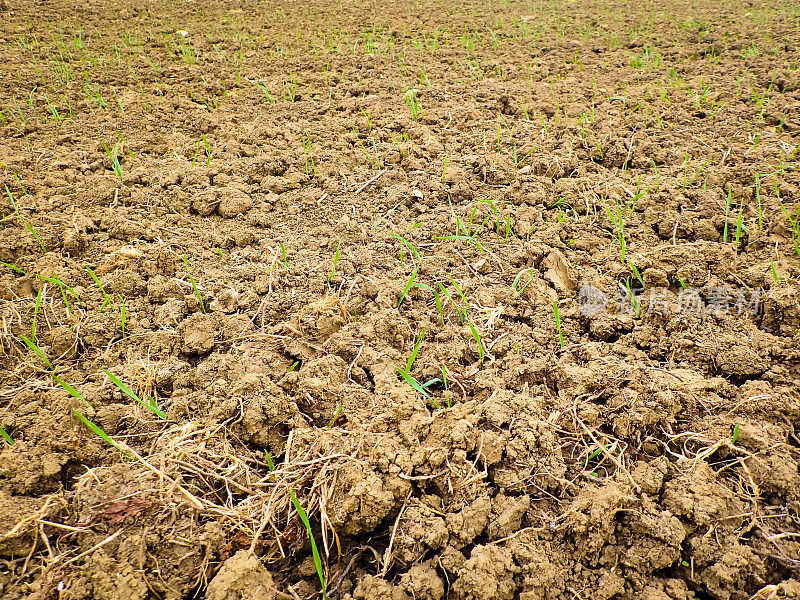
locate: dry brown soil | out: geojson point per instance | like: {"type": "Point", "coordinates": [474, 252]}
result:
{"type": "Point", "coordinates": [282, 200]}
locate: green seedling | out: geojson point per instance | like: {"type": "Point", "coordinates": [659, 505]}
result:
{"type": "Point", "coordinates": [595, 454]}
{"type": "Point", "coordinates": [518, 278]}
{"type": "Point", "coordinates": [194, 285]}
{"type": "Point", "coordinates": [151, 406]}
{"type": "Point", "coordinates": [411, 248]}
{"type": "Point", "coordinates": [618, 219]}
{"type": "Point", "coordinates": [57, 118]}
{"type": "Point", "coordinates": [336, 415]}
{"type": "Point", "coordinates": [413, 103]}
{"type": "Point", "coordinates": [64, 288]}
{"type": "Point", "coordinates": [637, 308]}
{"type": "Point", "coordinates": [477, 337]}
{"type": "Point", "coordinates": [113, 156]}
{"type": "Point", "coordinates": [335, 263]}
{"type": "Point", "coordinates": [461, 312]}
{"type": "Point", "coordinates": [758, 200]}
{"type": "Point", "coordinates": [194, 157]}
{"type": "Point", "coordinates": [405, 372]}
{"type": "Point", "coordinates": [438, 299]}
{"type": "Point", "coordinates": [36, 306]}
{"type": "Point", "coordinates": [463, 238]}
{"type": "Point", "coordinates": [727, 210]}
{"type": "Point", "coordinates": [100, 433]}
{"type": "Point", "coordinates": [460, 293]}
{"type": "Point", "coordinates": [599, 150]}
{"type": "Point", "coordinates": [304, 519]}
{"type": "Point", "coordinates": [739, 227]}
{"type": "Point", "coordinates": [398, 142]}
{"type": "Point", "coordinates": [283, 255]}
{"type": "Point", "coordinates": [558, 323]}
{"type": "Point", "coordinates": [6, 437]}
{"type": "Point", "coordinates": [636, 273]}
{"type": "Point", "coordinates": [34, 346]}
{"type": "Point", "coordinates": [12, 267]}
{"type": "Point", "coordinates": [123, 313]}
{"type": "Point", "coordinates": [94, 428]}
{"type": "Point", "coordinates": [388, 212]}
{"type": "Point", "coordinates": [25, 222]}
{"type": "Point", "coordinates": [311, 167]}
{"type": "Point", "coordinates": [289, 93]}
{"type": "Point", "coordinates": [775, 277]}
{"type": "Point", "coordinates": [187, 53]}
{"type": "Point", "coordinates": [794, 222]}
{"type": "Point", "coordinates": [366, 116]}
{"type": "Point", "coordinates": [408, 286]}
{"type": "Point", "coordinates": [263, 87]}
{"type": "Point", "coordinates": [106, 298]}
{"type": "Point", "coordinates": [735, 434]}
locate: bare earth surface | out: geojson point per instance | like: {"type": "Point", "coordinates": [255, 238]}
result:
{"type": "Point", "coordinates": [509, 296]}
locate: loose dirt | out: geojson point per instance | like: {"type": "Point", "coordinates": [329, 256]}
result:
{"type": "Point", "coordinates": [504, 297]}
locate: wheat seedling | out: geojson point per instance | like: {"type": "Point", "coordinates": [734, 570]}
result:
{"type": "Point", "coordinates": [194, 286]}
{"type": "Point", "coordinates": [477, 337]}
{"type": "Point", "coordinates": [113, 156]}
{"type": "Point", "coordinates": [36, 307]}
{"type": "Point", "coordinates": [304, 519]}
{"type": "Point", "coordinates": [405, 372]}
{"type": "Point", "coordinates": [335, 263]}
{"type": "Point", "coordinates": [122, 316]}
{"type": "Point", "coordinates": [151, 406]}
{"type": "Point", "coordinates": [6, 437]}
{"type": "Point", "coordinates": [413, 103]}
{"type": "Point", "coordinates": [106, 298]}
{"type": "Point", "coordinates": [25, 222]}
{"type": "Point", "coordinates": [794, 221]}
{"type": "Point", "coordinates": [558, 323]}
{"type": "Point", "coordinates": [408, 286]}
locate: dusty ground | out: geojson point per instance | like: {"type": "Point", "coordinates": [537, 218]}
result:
{"type": "Point", "coordinates": [336, 231]}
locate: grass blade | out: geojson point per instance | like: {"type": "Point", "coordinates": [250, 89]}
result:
{"type": "Point", "coordinates": [558, 323]}
{"type": "Point", "coordinates": [477, 337]}
{"type": "Point", "coordinates": [125, 389]}
{"type": "Point", "coordinates": [36, 311]}
{"type": "Point", "coordinates": [408, 287]}
{"type": "Point", "coordinates": [32, 345]}
{"type": "Point", "coordinates": [194, 287]}
{"type": "Point", "coordinates": [6, 437]}
{"type": "Point", "coordinates": [304, 519]}
{"type": "Point", "coordinates": [414, 352]}
{"type": "Point", "coordinates": [99, 432]}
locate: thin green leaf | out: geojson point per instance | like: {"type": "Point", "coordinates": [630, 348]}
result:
{"type": "Point", "coordinates": [408, 287]}
{"type": "Point", "coordinates": [414, 352]}
{"type": "Point", "coordinates": [100, 433]}
{"type": "Point", "coordinates": [132, 395]}
{"type": "Point", "coordinates": [304, 519]}
{"type": "Point", "coordinates": [32, 345]}
{"type": "Point", "coordinates": [6, 437]}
